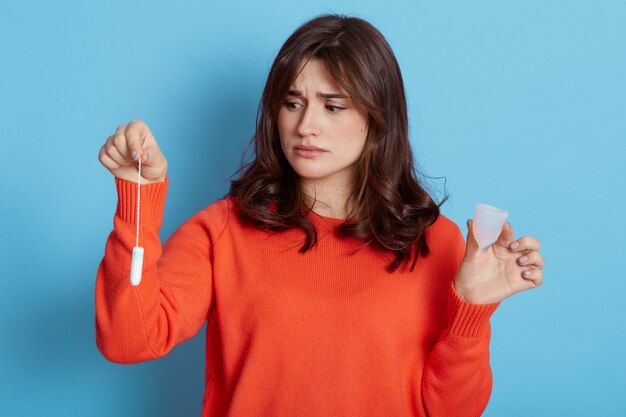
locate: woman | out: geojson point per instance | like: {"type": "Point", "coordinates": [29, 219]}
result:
{"type": "Point", "coordinates": [331, 284]}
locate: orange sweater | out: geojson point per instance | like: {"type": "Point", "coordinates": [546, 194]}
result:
{"type": "Point", "coordinates": [324, 333]}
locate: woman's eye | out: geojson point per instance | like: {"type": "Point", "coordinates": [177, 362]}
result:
{"type": "Point", "coordinates": [334, 109]}
{"type": "Point", "coordinates": [291, 105]}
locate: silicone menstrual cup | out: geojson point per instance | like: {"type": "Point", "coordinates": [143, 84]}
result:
{"type": "Point", "coordinates": [488, 222]}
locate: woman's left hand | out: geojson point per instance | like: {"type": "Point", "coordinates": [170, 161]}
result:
{"type": "Point", "coordinates": [505, 268]}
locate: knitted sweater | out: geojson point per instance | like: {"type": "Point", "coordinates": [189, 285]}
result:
{"type": "Point", "coordinates": [328, 332]}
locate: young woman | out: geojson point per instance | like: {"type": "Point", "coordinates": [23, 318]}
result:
{"type": "Point", "coordinates": [330, 283]}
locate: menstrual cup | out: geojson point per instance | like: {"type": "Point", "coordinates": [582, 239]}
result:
{"type": "Point", "coordinates": [488, 222]}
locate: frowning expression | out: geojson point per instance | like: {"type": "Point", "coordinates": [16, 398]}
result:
{"type": "Point", "coordinates": [322, 131]}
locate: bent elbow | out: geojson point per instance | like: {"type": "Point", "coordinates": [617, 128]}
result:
{"type": "Point", "coordinates": [120, 353]}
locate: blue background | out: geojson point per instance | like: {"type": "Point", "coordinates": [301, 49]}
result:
{"type": "Point", "coordinates": [519, 104]}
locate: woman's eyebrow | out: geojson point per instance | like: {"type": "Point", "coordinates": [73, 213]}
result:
{"type": "Point", "coordinates": [297, 93]}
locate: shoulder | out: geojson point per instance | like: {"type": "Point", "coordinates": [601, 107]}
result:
{"type": "Point", "coordinates": [212, 219]}
{"type": "Point", "coordinates": [443, 229]}
{"type": "Point", "coordinates": [220, 209]}
{"type": "Point", "coordinates": [444, 237]}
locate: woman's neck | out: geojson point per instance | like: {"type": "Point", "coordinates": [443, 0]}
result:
{"type": "Point", "coordinates": [327, 198]}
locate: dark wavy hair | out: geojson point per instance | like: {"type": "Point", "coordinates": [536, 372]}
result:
{"type": "Point", "coordinates": [391, 209]}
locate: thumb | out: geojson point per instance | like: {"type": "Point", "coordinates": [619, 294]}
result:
{"type": "Point", "coordinates": [507, 236]}
{"type": "Point", "coordinates": [471, 246]}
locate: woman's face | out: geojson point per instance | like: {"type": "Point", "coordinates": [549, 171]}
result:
{"type": "Point", "coordinates": [322, 132]}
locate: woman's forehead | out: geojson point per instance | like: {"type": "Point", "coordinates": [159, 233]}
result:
{"type": "Point", "coordinates": [313, 75]}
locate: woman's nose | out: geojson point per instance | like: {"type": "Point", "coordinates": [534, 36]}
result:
{"type": "Point", "coordinates": [309, 122]}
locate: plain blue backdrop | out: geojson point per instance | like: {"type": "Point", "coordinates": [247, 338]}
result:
{"type": "Point", "coordinates": [519, 104]}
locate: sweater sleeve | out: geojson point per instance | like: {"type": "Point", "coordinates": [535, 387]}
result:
{"type": "Point", "coordinates": [457, 377]}
{"type": "Point", "coordinates": [174, 297]}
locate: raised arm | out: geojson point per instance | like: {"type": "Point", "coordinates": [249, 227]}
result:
{"type": "Point", "coordinates": [457, 377]}
{"type": "Point", "coordinates": [138, 323]}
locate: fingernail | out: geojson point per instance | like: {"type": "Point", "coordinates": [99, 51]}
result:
{"type": "Point", "coordinates": [148, 158]}
{"type": "Point", "coordinates": [527, 273]}
{"type": "Point", "coordinates": [134, 155]}
{"type": "Point", "coordinates": [514, 245]}
{"type": "Point", "coordinates": [522, 259]}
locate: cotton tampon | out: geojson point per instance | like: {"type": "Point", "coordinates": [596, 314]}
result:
{"type": "Point", "coordinates": [136, 264]}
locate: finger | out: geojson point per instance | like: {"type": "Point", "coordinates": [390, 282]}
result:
{"type": "Point", "coordinates": [137, 133]}
{"type": "Point", "coordinates": [525, 243]}
{"type": "Point", "coordinates": [117, 150]}
{"type": "Point", "coordinates": [533, 275]}
{"type": "Point", "coordinates": [507, 235]}
{"type": "Point", "coordinates": [120, 129]}
{"type": "Point", "coordinates": [472, 246]}
{"type": "Point", "coordinates": [148, 157]}
{"type": "Point", "coordinates": [106, 159]}
{"type": "Point", "coordinates": [532, 258]}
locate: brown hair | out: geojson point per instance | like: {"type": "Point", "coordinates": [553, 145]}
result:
{"type": "Point", "coordinates": [391, 209]}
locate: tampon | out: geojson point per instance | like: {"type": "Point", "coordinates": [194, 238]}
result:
{"type": "Point", "coordinates": [136, 266]}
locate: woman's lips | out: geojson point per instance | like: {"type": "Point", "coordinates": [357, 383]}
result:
{"type": "Point", "coordinates": [309, 151]}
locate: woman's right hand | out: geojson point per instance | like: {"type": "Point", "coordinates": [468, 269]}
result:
{"type": "Point", "coordinates": [123, 149]}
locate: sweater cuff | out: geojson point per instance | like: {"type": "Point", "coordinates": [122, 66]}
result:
{"type": "Point", "coordinates": [467, 319]}
{"type": "Point", "coordinates": [152, 201]}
